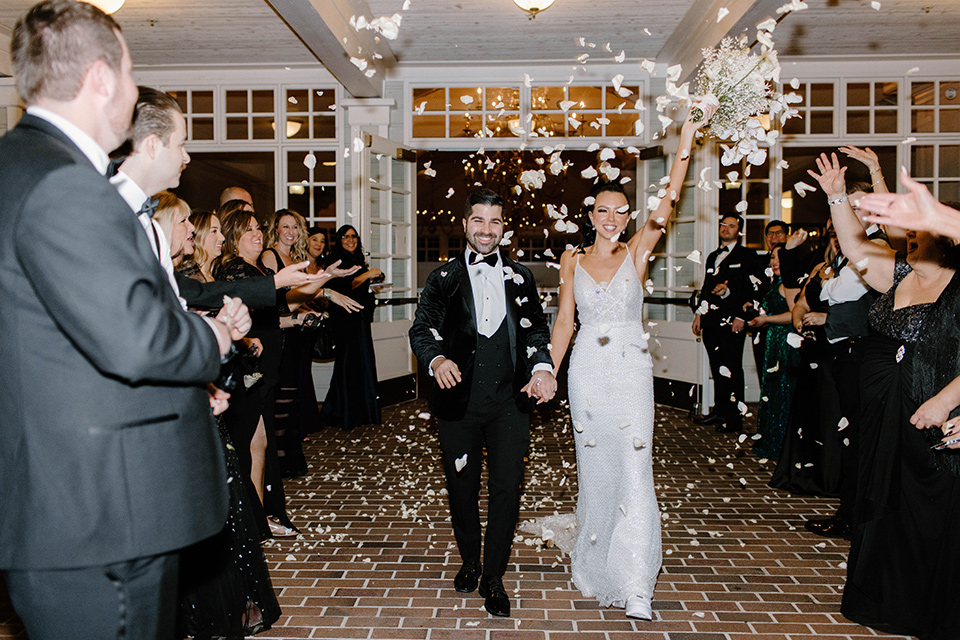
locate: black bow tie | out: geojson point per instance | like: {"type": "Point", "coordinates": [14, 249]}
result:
{"type": "Point", "coordinates": [490, 259]}
{"type": "Point", "coordinates": [724, 248]}
{"type": "Point", "coordinates": [149, 207]}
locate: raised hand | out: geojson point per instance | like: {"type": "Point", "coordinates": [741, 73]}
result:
{"type": "Point", "coordinates": [866, 156]}
{"type": "Point", "coordinates": [917, 209]}
{"type": "Point", "coordinates": [796, 239]}
{"type": "Point", "coordinates": [831, 177]}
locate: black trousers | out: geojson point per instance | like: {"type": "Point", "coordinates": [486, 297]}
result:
{"type": "Point", "coordinates": [506, 433]}
{"type": "Point", "coordinates": [131, 600]}
{"type": "Point", "coordinates": [725, 349]}
{"type": "Point", "coordinates": [846, 374]}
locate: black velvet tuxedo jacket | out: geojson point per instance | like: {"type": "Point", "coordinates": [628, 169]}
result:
{"type": "Point", "coordinates": [447, 307]}
{"type": "Point", "coordinates": [108, 450]}
{"type": "Point", "coordinates": [735, 270]}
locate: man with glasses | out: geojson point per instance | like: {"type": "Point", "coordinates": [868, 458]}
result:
{"type": "Point", "coordinates": [719, 320]}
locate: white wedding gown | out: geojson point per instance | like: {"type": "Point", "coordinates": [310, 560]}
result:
{"type": "Point", "coordinates": [617, 552]}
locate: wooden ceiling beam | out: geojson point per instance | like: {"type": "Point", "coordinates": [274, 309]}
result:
{"type": "Point", "coordinates": [324, 27]}
{"type": "Point", "coordinates": [698, 30]}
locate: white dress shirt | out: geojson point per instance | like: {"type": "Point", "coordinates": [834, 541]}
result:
{"type": "Point", "coordinates": [90, 147]}
{"type": "Point", "coordinates": [489, 296]}
{"type": "Point", "coordinates": [134, 196]}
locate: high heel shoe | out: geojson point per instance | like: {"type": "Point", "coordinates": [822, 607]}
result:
{"type": "Point", "coordinates": [278, 530]}
{"type": "Point", "coordinates": [639, 607]}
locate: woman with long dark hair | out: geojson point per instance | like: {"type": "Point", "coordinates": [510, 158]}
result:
{"type": "Point", "coordinates": [352, 398]}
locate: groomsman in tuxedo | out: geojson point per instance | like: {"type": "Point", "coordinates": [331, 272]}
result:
{"type": "Point", "coordinates": [109, 457]}
{"type": "Point", "coordinates": [720, 321]}
{"type": "Point", "coordinates": [481, 334]}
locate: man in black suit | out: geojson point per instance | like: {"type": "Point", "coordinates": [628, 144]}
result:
{"type": "Point", "coordinates": [481, 334]}
{"type": "Point", "coordinates": [719, 319]}
{"type": "Point", "coordinates": [109, 457]}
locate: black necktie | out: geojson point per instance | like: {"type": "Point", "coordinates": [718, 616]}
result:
{"type": "Point", "coordinates": [149, 207]}
{"type": "Point", "coordinates": [490, 259]}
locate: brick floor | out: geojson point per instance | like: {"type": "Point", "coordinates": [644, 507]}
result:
{"type": "Point", "coordinates": [377, 557]}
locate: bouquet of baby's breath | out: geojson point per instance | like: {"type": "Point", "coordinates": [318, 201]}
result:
{"type": "Point", "coordinates": [741, 83]}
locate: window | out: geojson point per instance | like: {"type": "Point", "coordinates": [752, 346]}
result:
{"type": "Point", "coordinates": [312, 192]}
{"type": "Point", "coordinates": [310, 114]}
{"type": "Point", "coordinates": [816, 107]}
{"type": "Point", "coordinates": [748, 183]}
{"type": "Point", "coordinates": [564, 111]}
{"type": "Point", "coordinates": [197, 107]}
{"type": "Point", "coordinates": [935, 106]}
{"type": "Point", "coordinates": [251, 114]}
{"type": "Point", "coordinates": [938, 167]}
{"type": "Point", "coordinates": [872, 107]}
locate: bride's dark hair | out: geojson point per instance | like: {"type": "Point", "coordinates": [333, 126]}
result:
{"type": "Point", "coordinates": [588, 233]}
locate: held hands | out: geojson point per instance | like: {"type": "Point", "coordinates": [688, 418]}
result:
{"type": "Point", "coordinates": [446, 372]}
{"type": "Point", "coordinates": [542, 386]}
{"type": "Point", "coordinates": [236, 317]}
{"type": "Point", "coordinates": [831, 176]}
{"type": "Point", "coordinates": [219, 399]}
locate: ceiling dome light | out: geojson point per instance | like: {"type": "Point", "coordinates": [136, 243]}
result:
{"type": "Point", "coordinates": [107, 6]}
{"type": "Point", "coordinates": [533, 7]}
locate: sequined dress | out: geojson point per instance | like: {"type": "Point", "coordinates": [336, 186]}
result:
{"type": "Point", "coordinates": [780, 362]}
{"type": "Point", "coordinates": [903, 572]}
{"type": "Point", "coordinates": [617, 552]}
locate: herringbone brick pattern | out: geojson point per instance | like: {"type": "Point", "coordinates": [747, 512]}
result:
{"type": "Point", "coordinates": [377, 557]}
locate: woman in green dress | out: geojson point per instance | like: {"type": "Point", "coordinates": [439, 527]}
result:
{"type": "Point", "coordinates": [780, 364]}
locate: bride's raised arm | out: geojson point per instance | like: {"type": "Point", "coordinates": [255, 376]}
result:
{"type": "Point", "coordinates": [643, 242]}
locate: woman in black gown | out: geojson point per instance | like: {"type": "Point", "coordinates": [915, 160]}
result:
{"type": "Point", "coordinates": [250, 418]}
{"type": "Point", "coordinates": [809, 462]}
{"type": "Point", "coordinates": [904, 567]}
{"type": "Point", "coordinates": [352, 398]}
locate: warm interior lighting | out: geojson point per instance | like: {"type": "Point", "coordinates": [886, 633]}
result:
{"type": "Point", "coordinates": [293, 127]}
{"type": "Point", "coordinates": [533, 7]}
{"type": "Point", "coordinates": [107, 6]}
{"type": "Point", "coordinates": [296, 190]}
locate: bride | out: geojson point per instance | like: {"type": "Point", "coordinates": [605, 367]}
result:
{"type": "Point", "coordinates": [616, 557]}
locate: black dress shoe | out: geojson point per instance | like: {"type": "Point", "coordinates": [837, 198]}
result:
{"type": "Point", "coordinates": [710, 418]}
{"type": "Point", "coordinates": [832, 527]}
{"type": "Point", "coordinates": [495, 599]}
{"type": "Point", "coordinates": [467, 577]}
{"type": "Point", "coordinates": [728, 428]}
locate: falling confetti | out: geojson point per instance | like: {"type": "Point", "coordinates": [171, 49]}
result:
{"type": "Point", "coordinates": [460, 463]}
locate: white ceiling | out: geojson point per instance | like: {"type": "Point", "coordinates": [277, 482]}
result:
{"type": "Point", "coordinates": [193, 33]}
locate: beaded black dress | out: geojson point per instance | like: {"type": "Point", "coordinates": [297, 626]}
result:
{"type": "Point", "coordinates": [225, 589]}
{"type": "Point", "coordinates": [903, 573]}
{"type": "Point", "coordinates": [778, 378]}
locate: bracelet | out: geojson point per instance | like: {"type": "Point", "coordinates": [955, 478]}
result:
{"type": "Point", "coordinates": [326, 294]}
{"type": "Point", "coordinates": [839, 200]}
{"type": "Point", "coordinates": [877, 182]}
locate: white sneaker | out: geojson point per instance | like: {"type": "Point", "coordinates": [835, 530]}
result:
{"type": "Point", "coordinates": [639, 607]}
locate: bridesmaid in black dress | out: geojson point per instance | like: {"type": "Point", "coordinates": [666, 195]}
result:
{"type": "Point", "coordinates": [352, 398]}
{"type": "Point", "coordinates": [903, 573]}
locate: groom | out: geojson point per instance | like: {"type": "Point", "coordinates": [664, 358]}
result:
{"type": "Point", "coordinates": [481, 334]}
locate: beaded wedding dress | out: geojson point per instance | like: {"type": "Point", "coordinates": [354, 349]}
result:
{"type": "Point", "coordinates": [617, 551]}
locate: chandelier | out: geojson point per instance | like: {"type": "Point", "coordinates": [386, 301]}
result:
{"type": "Point", "coordinates": [533, 7]}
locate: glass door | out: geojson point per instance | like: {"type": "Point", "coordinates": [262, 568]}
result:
{"type": "Point", "coordinates": [387, 225]}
